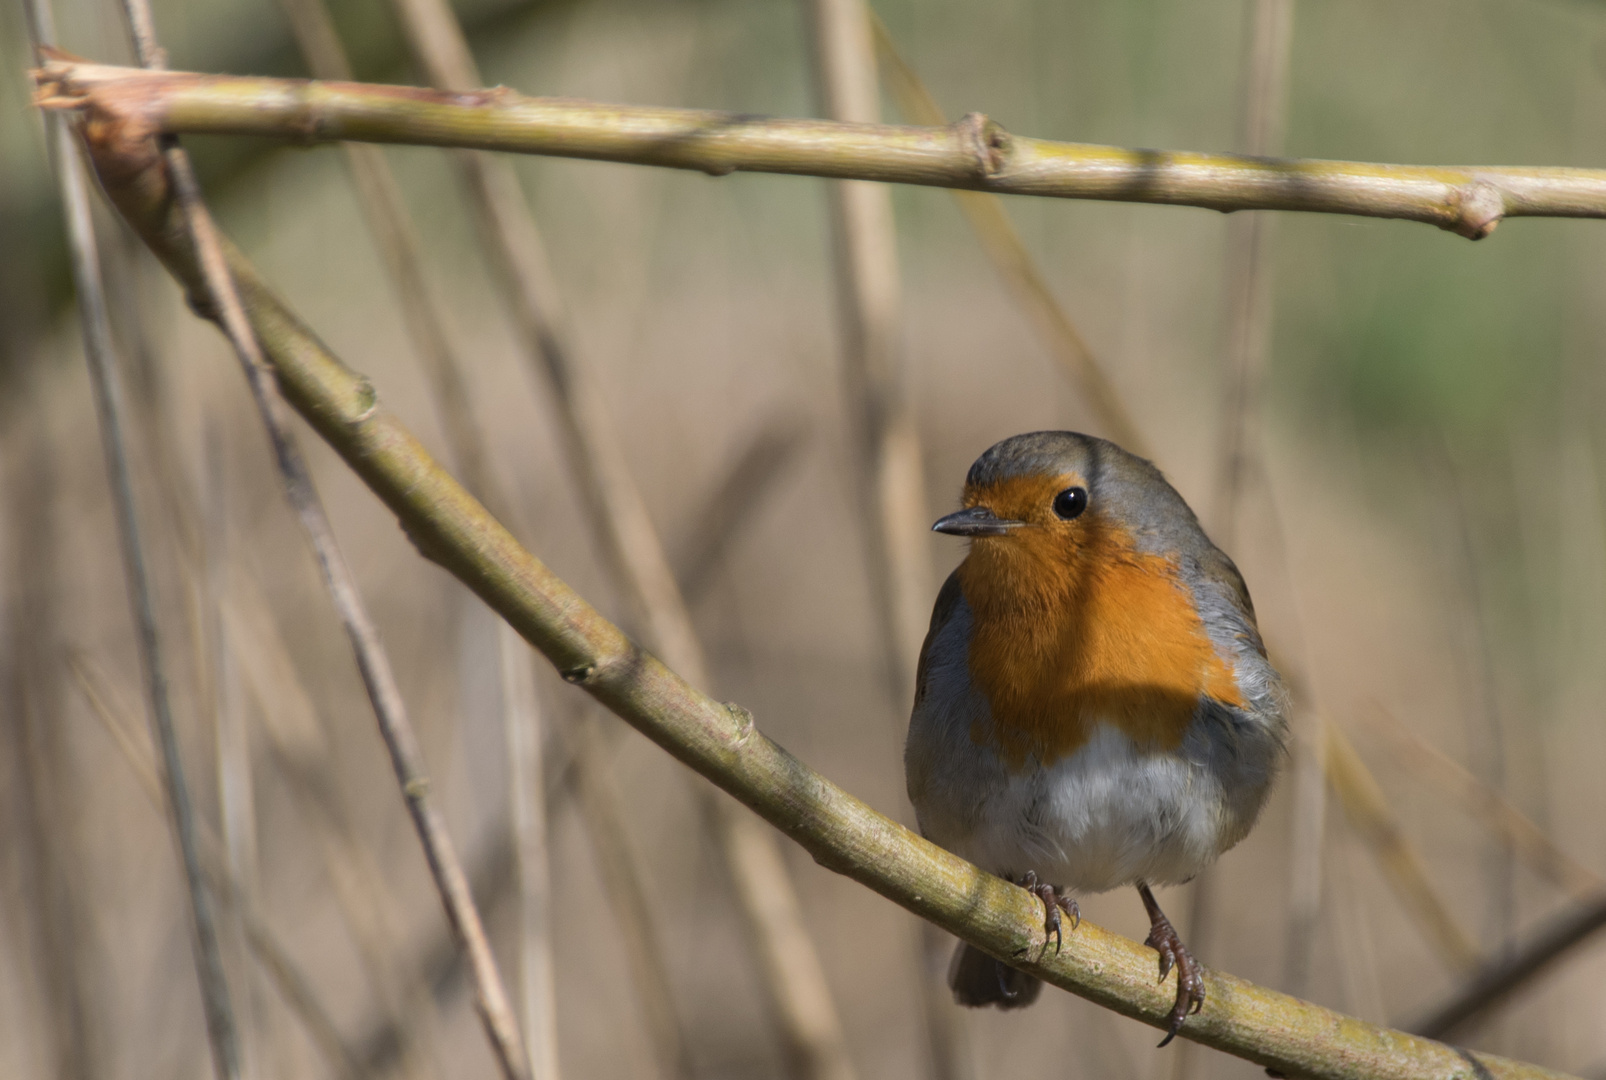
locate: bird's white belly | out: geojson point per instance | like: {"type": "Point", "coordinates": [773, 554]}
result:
{"type": "Point", "coordinates": [1108, 815]}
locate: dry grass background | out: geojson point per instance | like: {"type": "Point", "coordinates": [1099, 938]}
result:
{"type": "Point", "coordinates": [1430, 538]}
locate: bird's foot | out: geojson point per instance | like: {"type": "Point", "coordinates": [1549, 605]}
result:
{"type": "Point", "coordinates": [1163, 939]}
{"type": "Point", "coordinates": [1054, 902]}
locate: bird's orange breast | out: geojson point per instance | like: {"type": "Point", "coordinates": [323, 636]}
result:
{"type": "Point", "coordinates": [1064, 641]}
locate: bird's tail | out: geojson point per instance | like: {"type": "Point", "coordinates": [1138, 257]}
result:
{"type": "Point", "coordinates": [977, 979]}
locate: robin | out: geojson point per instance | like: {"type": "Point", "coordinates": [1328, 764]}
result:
{"type": "Point", "coordinates": [1093, 705]}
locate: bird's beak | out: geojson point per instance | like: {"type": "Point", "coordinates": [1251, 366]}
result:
{"type": "Point", "coordinates": [975, 521]}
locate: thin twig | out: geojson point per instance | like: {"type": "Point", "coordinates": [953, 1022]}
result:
{"type": "Point", "coordinates": [1487, 727]}
{"type": "Point", "coordinates": [721, 741]}
{"type": "Point", "coordinates": [109, 407]}
{"type": "Point", "coordinates": [215, 290]}
{"type": "Point", "coordinates": [1502, 978]}
{"type": "Point", "coordinates": [972, 153]}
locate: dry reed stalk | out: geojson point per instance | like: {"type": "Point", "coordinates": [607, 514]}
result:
{"type": "Point", "coordinates": [390, 225]}
{"type": "Point", "coordinates": [891, 487]}
{"type": "Point", "coordinates": [973, 153]}
{"type": "Point", "coordinates": [618, 865]}
{"type": "Point", "coordinates": [800, 997]}
{"type": "Point", "coordinates": [296, 730]}
{"type": "Point", "coordinates": [524, 733]}
{"type": "Point", "coordinates": [1248, 286]}
{"type": "Point", "coordinates": [721, 741]}
{"type": "Point", "coordinates": [733, 502]}
{"type": "Point", "coordinates": [43, 789]}
{"type": "Point", "coordinates": [293, 986]}
{"type": "Point", "coordinates": [894, 517]}
{"type": "Point", "coordinates": [301, 743]}
{"type": "Point", "coordinates": [215, 621]}
{"type": "Point", "coordinates": [1488, 730]}
{"type": "Point", "coordinates": [110, 411]}
{"type": "Point", "coordinates": [1369, 813]}
{"type": "Point", "coordinates": [388, 221]}
{"type": "Point", "coordinates": [512, 241]}
{"type": "Point", "coordinates": [232, 760]}
{"type": "Point", "coordinates": [217, 292]}
{"type": "Point", "coordinates": [1027, 284]}
{"type": "Point", "coordinates": [1248, 301]}
{"type": "Point", "coordinates": [1483, 802]}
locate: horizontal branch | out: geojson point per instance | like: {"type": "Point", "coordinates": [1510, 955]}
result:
{"type": "Point", "coordinates": [973, 153]}
{"type": "Point", "coordinates": [720, 741]}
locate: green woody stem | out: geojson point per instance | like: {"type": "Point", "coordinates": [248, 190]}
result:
{"type": "Point", "coordinates": [972, 153]}
{"type": "Point", "coordinates": [720, 741]}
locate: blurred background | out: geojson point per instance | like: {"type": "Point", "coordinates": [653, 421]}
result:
{"type": "Point", "coordinates": [1424, 534]}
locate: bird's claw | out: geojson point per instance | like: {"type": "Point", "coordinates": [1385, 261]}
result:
{"type": "Point", "coordinates": [1053, 903]}
{"type": "Point", "coordinates": [1163, 939]}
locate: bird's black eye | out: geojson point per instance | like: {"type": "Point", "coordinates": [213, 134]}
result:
{"type": "Point", "coordinates": [1071, 502]}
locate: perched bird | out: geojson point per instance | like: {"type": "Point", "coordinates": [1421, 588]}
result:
{"type": "Point", "coordinates": [1093, 705]}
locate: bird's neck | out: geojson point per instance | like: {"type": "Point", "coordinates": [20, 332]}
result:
{"type": "Point", "coordinates": [1063, 642]}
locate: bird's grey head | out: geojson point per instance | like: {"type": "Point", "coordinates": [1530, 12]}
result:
{"type": "Point", "coordinates": [1081, 473]}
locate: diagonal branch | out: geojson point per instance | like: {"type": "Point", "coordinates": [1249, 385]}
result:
{"type": "Point", "coordinates": [721, 741]}
{"type": "Point", "coordinates": [973, 153]}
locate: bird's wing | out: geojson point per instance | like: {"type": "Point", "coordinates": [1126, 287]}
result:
{"type": "Point", "coordinates": [948, 598]}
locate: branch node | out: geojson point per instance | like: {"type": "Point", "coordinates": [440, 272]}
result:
{"type": "Point", "coordinates": [745, 724]}
{"type": "Point", "coordinates": [986, 141]}
{"type": "Point", "coordinates": [430, 549]}
{"type": "Point", "coordinates": [416, 788]}
{"type": "Point", "coordinates": [490, 97]}
{"type": "Point", "coordinates": [368, 399]}
{"type": "Point", "coordinates": [1478, 207]}
{"type": "Point", "coordinates": [581, 675]}
{"type": "Point", "coordinates": [200, 302]}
